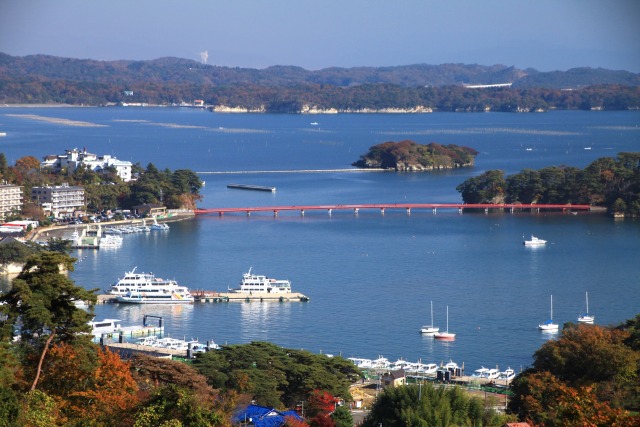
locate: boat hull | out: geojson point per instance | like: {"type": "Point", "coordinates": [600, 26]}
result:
{"type": "Point", "coordinates": [129, 300]}
{"type": "Point", "coordinates": [586, 319]}
{"type": "Point", "coordinates": [444, 336]}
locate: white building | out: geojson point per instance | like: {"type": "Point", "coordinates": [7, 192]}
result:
{"type": "Point", "coordinates": [60, 200]}
{"type": "Point", "coordinates": [10, 199]}
{"type": "Point", "coordinates": [72, 159]}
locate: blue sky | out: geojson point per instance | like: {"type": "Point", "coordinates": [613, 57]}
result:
{"type": "Point", "coordinates": [542, 34]}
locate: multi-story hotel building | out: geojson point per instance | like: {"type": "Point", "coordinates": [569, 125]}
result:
{"type": "Point", "coordinates": [71, 159]}
{"type": "Point", "coordinates": [59, 200]}
{"type": "Point", "coordinates": [10, 199]}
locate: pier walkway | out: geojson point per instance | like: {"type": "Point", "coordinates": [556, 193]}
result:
{"type": "Point", "coordinates": [408, 207]}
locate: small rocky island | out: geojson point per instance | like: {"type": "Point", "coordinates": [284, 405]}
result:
{"type": "Point", "coordinates": [409, 156]}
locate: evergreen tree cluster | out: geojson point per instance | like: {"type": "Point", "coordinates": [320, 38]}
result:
{"type": "Point", "coordinates": [42, 79]}
{"type": "Point", "coordinates": [610, 182]}
{"type": "Point", "coordinates": [409, 155]}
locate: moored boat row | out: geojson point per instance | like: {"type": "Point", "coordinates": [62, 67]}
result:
{"type": "Point", "coordinates": [434, 371]}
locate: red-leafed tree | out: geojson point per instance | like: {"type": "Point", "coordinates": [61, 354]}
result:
{"type": "Point", "coordinates": [112, 392]}
{"type": "Point", "coordinates": [320, 405]}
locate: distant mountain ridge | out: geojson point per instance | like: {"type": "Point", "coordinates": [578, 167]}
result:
{"type": "Point", "coordinates": [185, 71]}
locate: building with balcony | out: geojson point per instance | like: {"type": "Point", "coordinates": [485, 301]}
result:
{"type": "Point", "coordinates": [60, 200]}
{"type": "Point", "coordinates": [10, 199]}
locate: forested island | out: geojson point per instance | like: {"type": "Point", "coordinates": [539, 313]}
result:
{"type": "Point", "coordinates": [420, 88]}
{"type": "Point", "coordinates": [406, 156]}
{"type": "Point", "coordinates": [610, 182]}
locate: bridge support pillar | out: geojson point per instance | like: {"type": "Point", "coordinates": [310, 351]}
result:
{"type": "Point", "coordinates": [248, 213]}
{"type": "Point", "coordinates": [511, 210]}
{"type": "Point", "coordinates": [275, 214]}
{"type": "Point", "coordinates": [434, 211]}
{"type": "Point", "coordinates": [459, 210]}
{"type": "Point", "coordinates": [486, 210]}
{"type": "Point", "coordinates": [302, 212]}
{"type": "Point", "coordinates": [408, 211]}
{"type": "Point", "coordinates": [220, 213]}
{"type": "Point", "coordinates": [356, 211]}
{"type": "Point", "coordinates": [382, 211]}
{"type": "Point", "coordinates": [330, 210]}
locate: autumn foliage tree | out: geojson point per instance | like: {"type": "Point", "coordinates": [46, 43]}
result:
{"type": "Point", "coordinates": [320, 405]}
{"type": "Point", "coordinates": [111, 391]}
{"type": "Point", "coordinates": [587, 377]}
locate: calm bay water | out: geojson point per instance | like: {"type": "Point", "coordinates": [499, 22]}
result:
{"type": "Point", "coordinates": [370, 277]}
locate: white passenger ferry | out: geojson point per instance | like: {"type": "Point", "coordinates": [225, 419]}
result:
{"type": "Point", "coordinates": [146, 288]}
{"type": "Point", "coordinates": [254, 283]}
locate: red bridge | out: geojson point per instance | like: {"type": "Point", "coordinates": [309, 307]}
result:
{"type": "Point", "coordinates": [512, 207]}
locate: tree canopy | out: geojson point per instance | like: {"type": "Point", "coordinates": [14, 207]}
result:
{"type": "Point", "coordinates": [589, 373]}
{"type": "Point", "coordinates": [276, 376]}
{"type": "Point", "coordinates": [410, 156]}
{"type": "Point", "coordinates": [610, 182]}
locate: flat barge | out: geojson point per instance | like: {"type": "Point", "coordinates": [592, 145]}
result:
{"type": "Point", "coordinates": [252, 187]}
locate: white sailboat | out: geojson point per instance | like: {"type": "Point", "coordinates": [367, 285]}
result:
{"type": "Point", "coordinates": [429, 329]}
{"type": "Point", "coordinates": [586, 318]}
{"type": "Point", "coordinates": [549, 326]}
{"type": "Point", "coordinates": [445, 336]}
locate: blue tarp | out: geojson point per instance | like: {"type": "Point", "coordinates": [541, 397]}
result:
{"type": "Point", "coordinates": [262, 416]}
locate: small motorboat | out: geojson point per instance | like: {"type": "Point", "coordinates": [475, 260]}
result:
{"type": "Point", "coordinates": [534, 241]}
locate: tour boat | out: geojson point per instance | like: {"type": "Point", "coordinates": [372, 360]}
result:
{"type": "Point", "coordinates": [429, 329]}
{"type": "Point", "coordinates": [549, 326]}
{"type": "Point", "coordinates": [586, 318]}
{"type": "Point", "coordinates": [146, 288]}
{"type": "Point", "coordinates": [445, 336]}
{"type": "Point", "coordinates": [534, 241]}
{"type": "Point", "coordinates": [254, 283]}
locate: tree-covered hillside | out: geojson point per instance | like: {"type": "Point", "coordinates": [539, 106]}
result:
{"type": "Point", "coordinates": [286, 89]}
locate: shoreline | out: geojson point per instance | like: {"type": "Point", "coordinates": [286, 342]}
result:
{"type": "Point", "coordinates": [57, 231]}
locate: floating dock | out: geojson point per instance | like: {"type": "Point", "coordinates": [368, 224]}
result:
{"type": "Point", "coordinates": [252, 187]}
{"type": "Point", "coordinates": [210, 296]}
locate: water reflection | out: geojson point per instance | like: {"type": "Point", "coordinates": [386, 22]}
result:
{"type": "Point", "coordinates": [262, 321]}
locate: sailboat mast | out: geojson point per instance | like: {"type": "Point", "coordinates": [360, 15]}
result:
{"type": "Point", "coordinates": [432, 314]}
{"type": "Point", "coordinates": [587, 297]}
{"type": "Point", "coordinates": [447, 319]}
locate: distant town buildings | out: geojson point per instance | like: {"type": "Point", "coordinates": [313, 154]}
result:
{"type": "Point", "coordinates": [10, 199]}
{"type": "Point", "coordinates": [72, 159]}
{"type": "Point", "coordinates": [488, 86]}
{"type": "Point", "coordinates": [60, 200]}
